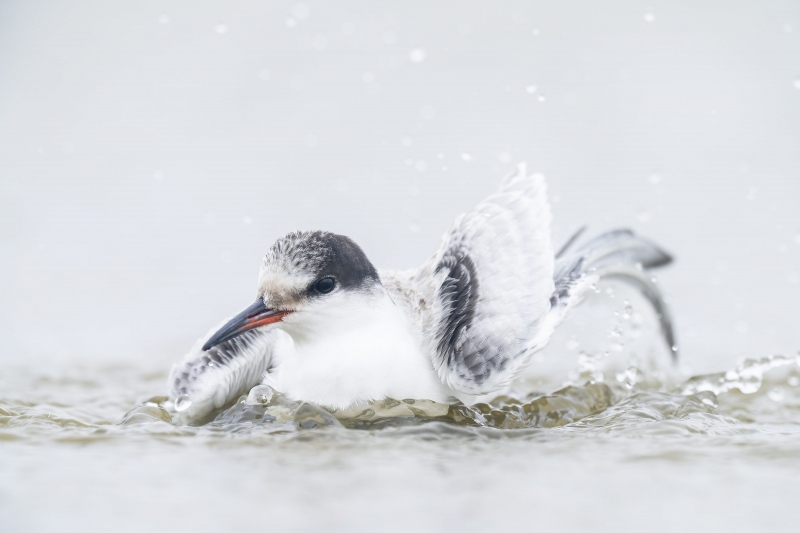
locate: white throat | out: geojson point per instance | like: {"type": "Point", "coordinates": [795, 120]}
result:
{"type": "Point", "coordinates": [353, 348]}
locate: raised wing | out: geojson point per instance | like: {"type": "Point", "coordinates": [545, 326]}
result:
{"type": "Point", "coordinates": [492, 284]}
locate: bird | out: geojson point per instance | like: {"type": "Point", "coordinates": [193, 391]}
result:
{"type": "Point", "coordinates": [330, 329]}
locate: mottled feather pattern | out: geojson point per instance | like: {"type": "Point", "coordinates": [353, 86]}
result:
{"type": "Point", "coordinates": [215, 378]}
{"type": "Point", "coordinates": [479, 343]}
{"type": "Point", "coordinates": [298, 251]}
{"type": "Point", "coordinates": [458, 295]}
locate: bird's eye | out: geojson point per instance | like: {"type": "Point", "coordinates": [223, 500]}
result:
{"type": "Point", "coordinates": [325, 285]}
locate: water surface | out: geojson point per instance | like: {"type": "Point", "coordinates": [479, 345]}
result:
{"type": "Point", "coordinates": [87, 449]}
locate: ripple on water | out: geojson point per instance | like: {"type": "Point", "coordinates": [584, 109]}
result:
{"type": "Point", "coordinates": [736, 402]}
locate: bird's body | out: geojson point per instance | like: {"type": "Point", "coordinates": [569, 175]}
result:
{"type": "Point", "coordinates": [328, 328]}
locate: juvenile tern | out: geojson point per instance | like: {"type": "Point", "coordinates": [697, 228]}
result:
{"type": "Point", "coordinates": [328, 328]}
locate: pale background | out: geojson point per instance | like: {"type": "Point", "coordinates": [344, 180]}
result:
{"type": "Point", "coordinates": [150, 152]}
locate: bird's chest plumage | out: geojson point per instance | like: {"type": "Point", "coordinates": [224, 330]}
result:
{"type": "Point", "coordinates": [378, 359]}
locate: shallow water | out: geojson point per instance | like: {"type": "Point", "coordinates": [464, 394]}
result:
{"type": "Point", "coordinates": [150, 154]}
{"type": "Point", "coordinates": [86, 449]}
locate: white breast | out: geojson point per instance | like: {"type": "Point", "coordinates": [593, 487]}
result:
{"type": "Point", "coordinates": [353, 351]}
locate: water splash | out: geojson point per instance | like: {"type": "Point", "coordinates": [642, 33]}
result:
{"type": "Point", "coordinates": [182, 403]}
{"type": "Point", "coordinates": [746, 378]}
{"type": "Point", "coordinates": [596, 399]}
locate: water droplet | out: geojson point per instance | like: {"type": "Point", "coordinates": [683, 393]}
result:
{"type": "Point", "coordinates": [301, 11]}
{"type": "Point", "coordinates": [674, 348]}
{"type": "Point", "coordinates": [530, 89]}
{"type": "Point", "coordinates": [163, 19]}
{"type": "Point", "coordinates": [540, 98]}
{"type": "Point", "coordinates": [466, 157]}
{"type": "Point", "coordinates": [629, 377]}
{"type": "Point", "coordinates": [182, 403]}
{"type": "Point", "coordinates": [654, 179]}
{"type": "Point", "coordinates": [260, 395]}
{"type": "Point", "coordinates": [796, 83]}
{"type": "Point", "coordinates": [221, 29]}
{"type": "Point", "coordinates": [627, 311]}
{"type": "Point", "coordinates": [707, 398]}
{"type": "Point", "coordinates": [794, 381]}
{"type": "Point", "coordinates": [417, 55]}
{"type": "Point", "coordinates": [649, 17]}
{"type": "Point", "coordinates": [389, 37]}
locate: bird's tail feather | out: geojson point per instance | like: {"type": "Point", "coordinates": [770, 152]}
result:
{"type": "Point", "coordinates": [618, 254]}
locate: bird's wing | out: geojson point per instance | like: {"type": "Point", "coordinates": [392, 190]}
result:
{"type": "Point", "coordinates": [206, 381]}
{"type": "Point", "coordinates": [490, 284]}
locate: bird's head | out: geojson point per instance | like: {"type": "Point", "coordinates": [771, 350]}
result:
{"type": "Point", "coordinates": [308, 280]}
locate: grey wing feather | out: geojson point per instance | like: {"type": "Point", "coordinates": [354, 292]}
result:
{"type": "Point", "coordinates": [491, 279]}
{"type": "Point", "coordinates": [618, 254]}
{"type": "Point", "coordinates": [215, 378]}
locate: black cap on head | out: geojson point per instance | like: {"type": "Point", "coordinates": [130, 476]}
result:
{"type": "Point", "coordinates": [324, 254]}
